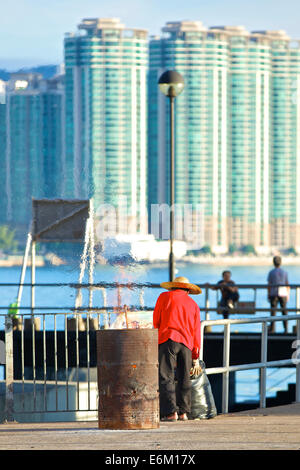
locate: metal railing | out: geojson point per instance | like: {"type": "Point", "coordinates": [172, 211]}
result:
{"type": "Point", "coordinates": [49, 359]}
{"type": "Point", "coordinates": [262, 365]}
{"type": "Point", "coordinates": [206, 307]}
{"type": "Point", "coordinates": [59, 388]}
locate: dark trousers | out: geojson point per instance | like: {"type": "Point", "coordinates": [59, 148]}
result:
{"type": "Point", "coordinates": [173, 355]}
{"type": "Point", "coordinates": [274, 302]}
{"type": "Point", "coordinates": [234, 296]}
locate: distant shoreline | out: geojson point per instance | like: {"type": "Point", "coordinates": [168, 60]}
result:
{"type": "Point", "coordinates": [220, 260]}
{"type": "Point", "coordinates": [13, 261]}
{"type": "Point", "coordinates": [240, 260]}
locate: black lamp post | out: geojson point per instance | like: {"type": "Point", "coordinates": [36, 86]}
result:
{"type": "Point", "coordinates": [171, 84]}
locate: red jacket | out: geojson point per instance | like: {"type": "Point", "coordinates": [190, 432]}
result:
{"type": "Point", "coordinates": [177, 317]}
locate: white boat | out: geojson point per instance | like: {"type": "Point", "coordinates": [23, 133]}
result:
{"type": "Point", "coordinates": [139, 247]}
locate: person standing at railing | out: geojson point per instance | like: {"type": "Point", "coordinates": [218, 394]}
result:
{"type": "Point", "coordinates": [177, 318]}
{"type": "Point", "coordinates": [278, 291]}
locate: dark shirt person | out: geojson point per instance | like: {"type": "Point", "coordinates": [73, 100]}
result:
{"type": "Point", "coordinates": [278, 291]}
{"type": "Point", "coordinates": [229, 293]}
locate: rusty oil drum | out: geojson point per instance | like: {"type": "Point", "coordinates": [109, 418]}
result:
{"type": "Point", "coordinates": [127, 369]}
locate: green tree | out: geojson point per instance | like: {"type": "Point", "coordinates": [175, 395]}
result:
{"type": "Point", "coordinates": [291, 251]}
{"type": "Point", "coordinates": [206, 249]}
{"type": "Point", "coordinates": [232, 248]}
{"type": "Point", "coordinates": [248, 249]}
{"type": "Point", "coordinates": [8, 243]}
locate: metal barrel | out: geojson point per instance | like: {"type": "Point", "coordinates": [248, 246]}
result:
{"type": "Point", "coordinates": [127, 369]}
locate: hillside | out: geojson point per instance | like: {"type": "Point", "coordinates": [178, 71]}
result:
{"type": "Point", "coordinates": [47, 71]}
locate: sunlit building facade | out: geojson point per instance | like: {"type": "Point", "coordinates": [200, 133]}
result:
{"type": "Point", "coordinates": [285, 141]}
{"type": "Point", "coordinates": [237, 132]}
{"type": "Point", "coordinates": [3, 197]}
{"type": "Point", "coordinates": [249, 133]}
{"type": "Point", "coordinates": [102, 130]}
{"type": "Point", "coordinates": [106, 80]}
{"type": "Point", "coordinates": [201, 122]}
{"type": "Point", "coordinates": [31, 134]}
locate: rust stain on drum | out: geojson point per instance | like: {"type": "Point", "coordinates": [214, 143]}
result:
{"type": "Point", "coordinates": [127, 368]}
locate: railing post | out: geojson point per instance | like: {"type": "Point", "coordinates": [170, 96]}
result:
{"type": "Point", "coordinates": [9, 369]}
{"type": "Point", "coordinates": [207, 315]}
{"type": "Point", "coordinates": [298, 346]}
{"type": "Point", "coordinates": [106, 322]}
{"type": "Point", "coordinates": [91, 252]}
{"type": "Point", "coordinates": [263, 370]}
{"type": "Point", "coordinates": [33, 253]}
{"type": "Point", "coordinates": [119, 296]}
{"type": "Point", "coordinates": [142, 302]}
{"type": "Point", "coordinates": [24, 266]}
{"type": "Point", "coordinates": [206, 303]}
{"type": "Point", "coordinates": [202, 328]}
{"type": "Point", "coordinates": [225, 381]}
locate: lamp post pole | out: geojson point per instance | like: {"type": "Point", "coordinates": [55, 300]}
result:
{"type": "Point", "coordinates": [171, 84]}
{"type": "Point", "coordinates": [172, 192]}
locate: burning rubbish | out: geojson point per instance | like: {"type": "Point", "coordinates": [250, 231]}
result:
{"type": "Point", "coordinates": [125, 319]}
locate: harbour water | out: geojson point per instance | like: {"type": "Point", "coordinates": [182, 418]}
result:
{"type": "Point", "coordinates": [247, 387]}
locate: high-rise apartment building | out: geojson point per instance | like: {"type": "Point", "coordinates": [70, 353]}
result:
{"type": "Point", "coordinates": [249, 118]}
{"type": "Point", "coordinates": [237, 132]}
{"type": "Point", "coordinates": [31, 124]}
{"type": "Point", "coordinates": [3, 198]}
{"type": "Point", "coordinates": [201, 124]}
{"type": "Point", "coordinates": [284, 140]}
{"type": "Point", "coordinates": [106, 67]}
{"type": "Point", "coordinates": [102, 130]}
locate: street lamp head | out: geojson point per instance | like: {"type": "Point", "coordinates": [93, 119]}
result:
{"type": "Point", "coordinates": [171, 83]}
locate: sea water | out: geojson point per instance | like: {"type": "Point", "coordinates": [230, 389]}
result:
{"type": "Point", "coordinates": [247, 383]}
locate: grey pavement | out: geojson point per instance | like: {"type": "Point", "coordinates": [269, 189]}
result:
{"type": "Point", "coordinates": [275, 428]}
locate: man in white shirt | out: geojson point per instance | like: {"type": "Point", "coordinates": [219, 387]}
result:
{"type": "Point", "coordinates": [278, 291]}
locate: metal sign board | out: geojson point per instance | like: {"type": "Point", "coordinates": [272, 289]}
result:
{"type": "Point", "coordinates": [59, 220]}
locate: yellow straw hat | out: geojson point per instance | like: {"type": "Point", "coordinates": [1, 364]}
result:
{"type": "Point", "coordinates": [183, 283]}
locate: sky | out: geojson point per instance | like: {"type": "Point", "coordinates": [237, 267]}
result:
{"type": "Point", "coordinates": [32, 31]}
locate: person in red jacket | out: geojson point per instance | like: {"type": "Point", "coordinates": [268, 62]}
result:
{"type": "Point", "coordinates": [177, 318]}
